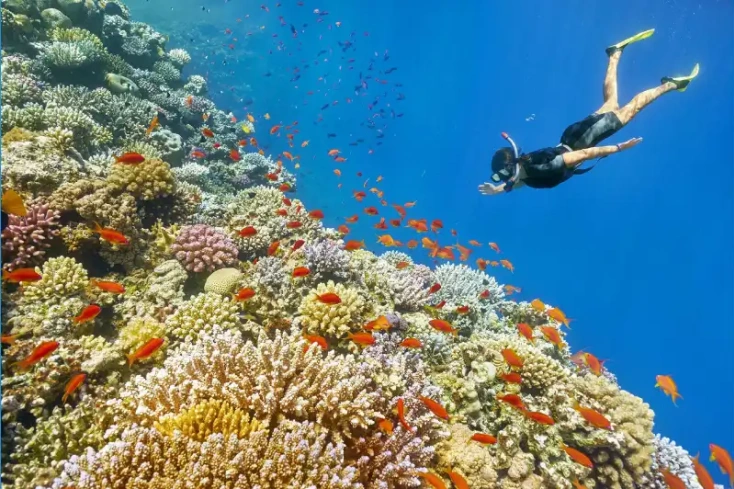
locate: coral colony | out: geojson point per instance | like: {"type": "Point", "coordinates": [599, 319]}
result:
{"type": "Point", "coordinates": [229, 347]}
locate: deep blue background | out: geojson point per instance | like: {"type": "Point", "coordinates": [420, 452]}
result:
{"type": "Point", "coordinates": [638, 252]}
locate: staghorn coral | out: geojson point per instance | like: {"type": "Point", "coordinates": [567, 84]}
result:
{"type": "Point", "coordinates": [333, 320]}
{"type": "Point", "coordinates": [148, 180]}
{"type": "Point", "coordinates": [202, 248]}
{"type": "Point", "coordinates": [26, 238]}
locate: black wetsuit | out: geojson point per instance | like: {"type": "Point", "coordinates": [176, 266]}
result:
{"type": "Point", "coordinates": [545, 168]}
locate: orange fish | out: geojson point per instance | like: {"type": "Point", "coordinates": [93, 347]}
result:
{"type": "Point", "coordinates": [559, 316]}
{"type": "Point", "coordinates": [333, 152]}
{"type": "Point", "coordinates": [242, 142]}
{"type": "Point", "coordinates": [512, 358]}
{"type": "Point", "coordinates": [411, 343]}
{"type": "Point", "coordinates": [427, 243]}
{"type": "Point", "coordinates": [538, 305]}
{"type": "Point", "coordinates": [494, 247]}
{"type": "Point", "coordinates": [275, 129]}
{"type": "Point", "coordinates": [286, 201]}
{"type": "Point", "coordinates": [253, 142]}
{"type": "Point", "coordinates": [513, 400]}
{"type": "Point", "coordinates": [458, 480]}
{"type": "Point", "coordinates": [244, 294]}
{"type": "Point", "coordinates": [21, 275]}
{"type": "Point", "coordinates": [494, 263]}
{"type": "Point", "coordinates": [342, 228]}
{"type": "Point", "coordinates": [386, 426]}
{"type": "Point", "coordinates": [189, 100]}
{"type": "Point", "coordinates": [372, 211]}
{"type": "Point", "coordinates": [305, 143]}
{"type": "Point", "coordinates": [340, 159]}
{"type": "Point", "coordinates": [474, 242]}
{"type": "Point", "coordinates": [271, 176]}
{"type": "Point", "coordinates": [594, 364]}
{"type": "Point", "coordinates": [234, 155]}
{"type": "Point", "coordinates": [88, 314]}
{"type": "Point", "coordinates": [288, 156]}
{"type": "Point", "coordinates": [462, 310]}
{"type": "Point", "coordinates": [436, 224]}
{"type": "Point", "coordinates": [704, 478]}
{"type": "Point", "coordinates": [511, 377]}
{"type": "Point", "coordinates": [667, 385]}
{"type": "Point", "coordinates": [300, 272]}
{"type": "Point", "coordinates": [578, 456]}
{"type": "Point", "coordinates": [401, 210]}
{"type": "Point", "coordinates": [434, 407]}
{"type": "Point", "coordinates": [8, 339]}
{"type": "Point", "coordinates": [400, 407]}
{"type": "Point", "coordinates": [273, 248]}
{"type": "Point", "coordinates": [387, 240]}
{"type": "Point", "coordinates": [281, 212]}
{"type": "Point", "coordinates": [145, 351]}
{"type": "Point", "coordinates": [412, 244]}
{"type": "Point", "coordinates": [353, 245]}
{"type": "Point", "coordinates": [395, 223]}
{"type": "Point", "coordinates": [552, 335]}
{"type": "Point", "coordinates": [381, 224]}
{"type": "Point", "coordinates": [463, 252]}
{"type": "Point", "coordinates": [130, 158]}
{"type": "Point", "coordinates": [293, 224]}
{"type": "Point", "coordinates": [508, 265]}
{"type": "Point", "coordinates": [110, 235]}
{"type": "Point", "coordinates": [39, 353]}
{"type": "Point", "coordinates": [484, 438]}
{"type": "Point", "coordinates": [337, 172]}
{"type": "Point", "coordinates": [359, 195]}
{"type": "Point", "coordinates": [298, 243]}
{"type": "Point", "coordinates": [509, 289]}
{"type": "Point", "coordinates": [379, 324]}
{"type": "Point", "coordinates": [206, 132]}
{"type": "Point", "coordinates": [525, 330]}
{"type": "Point", "coordinates": [434, 288]}
{"type": "Point", "coordinates": [329, 298]}
{"type": "Point", "coordinates": [352, 219]}
{"type": "Point", "coordinates": [12, 203]}
{"type": "Point", "coordinates": [433, 480]}
{"type": "Point", "coordinates": [418, 225]}
{"type": "Point", "coordinates": [73, 385]}
{"type": "Point", "coordinates": [362, 338]}
{"type": "Point", "coordinates": [439, 305]}
{"type": "Point", "coordinates": [247, 231]}
{"type": "Point", "coordinates": [314, 338]}
{"type": "Point", "coordinates": [152, 126]}
{"type": "Point", "coordinates": [540, 418]}
{"type": "Point", "coordinates": [672, 480]}
{"type": "Point", "coordinates": [595, 418]}
{"type": "Point", "coordinates": [284, 187]}
{"type": "Point", "coordinates": [443, 326]}
{"type": "Point", "coordinates": [446, 253]}
{"type": "Point", "coordinates": [481, 264]}
{"type": "Point", "coordinates": [112, 287]}
{"type": "Point", "coordinates": [251, 118]}
{"type": "Point", "coordinates": [722, 457]}
{"type": "Point", "coordinates": [401, 265]}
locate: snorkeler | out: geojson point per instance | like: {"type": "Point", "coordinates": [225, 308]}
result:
{"type": "Point", "coordinates": [548, 167]}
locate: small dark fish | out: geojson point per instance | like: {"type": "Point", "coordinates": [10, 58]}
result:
{"type": "Point", "coordinates": [360, 140]}
{"type": "Point", "coordinates": [352, 144]}
{"type": "Point", "coordinates": [390, 70]}
{"type": "Point", "coordinates": [323, 12]}
{"type": "Point", "coordinates": [398, 84]}
{"type": "Point", "coordinates": [380, 136]}
{"type": "Point", "coordinates": [325, 106]}
{"type": "Point", "coordinates": [401, 96]}
{"type": "Point", "coordinates": [400, 115]}
{"type": "Point", "coordinates": [268, 74]}
{"type": "Point", "coordinates": [293, 30]}
{"type": "Point", "coordinates": [295, 78]}
{"type": "Point", "coordinates": [323, 51]}
{"type": "Point", "coordinates": [331, 135]}
{"type": "Point", "coordinates": [386, 56]}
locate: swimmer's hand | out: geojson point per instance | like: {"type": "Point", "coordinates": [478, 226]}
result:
{"type": "Point", "coordinates": [488, 189]}
{"type": "Point", "coordinates": [628, 144]}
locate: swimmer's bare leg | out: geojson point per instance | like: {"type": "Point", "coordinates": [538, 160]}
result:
{"type": "Point", "coordinates": [611, 101]}
{"type": "Point", "coordinates": [642, 100]}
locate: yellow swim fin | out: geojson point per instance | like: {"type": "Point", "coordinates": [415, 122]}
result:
{"type": "Point", "coordinates": [681, 82]}
{"type": "Point", "coordinates": [623, 44]}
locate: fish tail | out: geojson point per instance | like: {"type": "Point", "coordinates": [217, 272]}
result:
{"type": "Point", "coordinates": [6, 274]}
{"type": "Point", "coordinates": [130, 359]}
{"type": "Point", "coordinates": [97, 227]}
{"type": "Point", "coordinates": [64, 397]}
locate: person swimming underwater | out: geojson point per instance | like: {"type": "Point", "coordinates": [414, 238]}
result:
{"type": "Point", "coordinates": [549, 167]}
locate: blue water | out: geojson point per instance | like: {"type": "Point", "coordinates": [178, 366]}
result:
{"type": "Point", "coordinates": [638, 252]}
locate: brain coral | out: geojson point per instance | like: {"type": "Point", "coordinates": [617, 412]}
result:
{"type": "Point", "coordinates": [202, 248]}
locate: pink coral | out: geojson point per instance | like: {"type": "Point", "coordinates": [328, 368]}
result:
{"type": "Point", "coordinates": [202, 248]}
{"type": "Point", "coordinates": [26, 238]}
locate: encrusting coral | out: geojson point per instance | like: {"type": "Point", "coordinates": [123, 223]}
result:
{"type": "Point", "coordinates": [226, 336]}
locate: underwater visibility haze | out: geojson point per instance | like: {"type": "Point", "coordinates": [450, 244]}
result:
{"type": "Point", "coordinates": [244, 245]}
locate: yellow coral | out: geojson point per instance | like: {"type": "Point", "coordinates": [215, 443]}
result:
{"type": "Point", "coordinates": [208, 417]}
{"type": "Point", "coordinates": [17, 134]}
{"type": "Point", "coordinates": [139, 331]}
{"type": "Point", "coordinates": [203, 313]}
{"type": "Point", "coordinates": [146, 181]}
{"type": "Point", "coordinates": [333, 320]}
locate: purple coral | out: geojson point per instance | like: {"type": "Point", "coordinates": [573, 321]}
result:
{"type": "Point", "coordinates": [26, 238]}
{"type": "Point", "coordinates": [202, 248]}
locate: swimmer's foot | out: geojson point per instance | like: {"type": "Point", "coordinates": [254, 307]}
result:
{"type": "Point", "coordinates": [623, 44]}
{"type": "Point", "coordinates": [681, 82]}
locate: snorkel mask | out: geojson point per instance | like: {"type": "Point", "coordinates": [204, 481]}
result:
{"type": "Point", "coordinates": [505, 165]}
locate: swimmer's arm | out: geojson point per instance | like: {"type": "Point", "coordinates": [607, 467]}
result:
{"type": "Point", "coordinates": [575, 158]}
{"type": "Point", "coordinates": [488, 189]}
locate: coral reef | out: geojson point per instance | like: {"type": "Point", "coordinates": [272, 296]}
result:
{"type": "Point", "coordinates": [335, 377]}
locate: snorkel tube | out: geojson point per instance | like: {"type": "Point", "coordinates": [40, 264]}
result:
{"type": "Point", "coordinates": [516, 175]}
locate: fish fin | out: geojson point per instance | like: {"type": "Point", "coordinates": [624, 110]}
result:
{"type": "Point", "coordinates": [6, 274]}
{"type": "Point", "coordinates": [97, 227]}
{"type": "Point", "coordinates": [12, 203]}
{"type": "Point", "coordinates": [64, 397]}
{"type": "Point", "coordinates": [130, 359]}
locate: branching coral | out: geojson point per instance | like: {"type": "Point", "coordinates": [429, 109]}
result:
{"type": "Point", "coordinates": [202, 313]}
{"type": "Point", "coordinates": [202, 248]}
{"type": "Point", "coordinates": [26, 238]}
{"type": "Point", "coordinates": [333, 320]}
